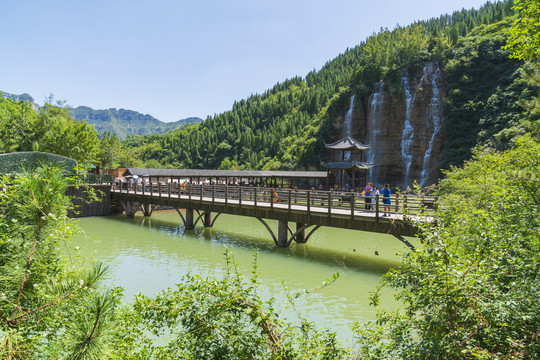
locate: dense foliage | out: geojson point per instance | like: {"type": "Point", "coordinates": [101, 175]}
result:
{"type": "Point", "coordinates": [52, 129]}
{"type": "Point", "coordinates": [525, 35]}
{"type": "Point", "coordinates": [220, 318]}
{"type": "Point", "coordinates": [50, 308]}
{"type": "Point", "coordinates": [484, 106]}
{"type": "Point", "coordinates": [472, 291]}
{"type": "Point", "coordinates": [39, 288]}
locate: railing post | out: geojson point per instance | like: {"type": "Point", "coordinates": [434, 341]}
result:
{"type": "Point", "coordinates": [271, 199]}
{"type": "Point", "coordinates": [308, 203]}
{"type": "Point", "coordinates": [377, 206]}
{"type": "Point", "coordinates": [255, 196]}
{"type": "Point", "coordinates": [226, 193]}
{"type": "Point", "coordinates": [295, 194]}
{"type": "Point", "coordinates": [169, 188]}
{"type": "Point", "coordinates": [329, 203]}
{"type": "Point", "coordinates": [289, 200]}
{"type": "Point", "coordinates": [239, 195]}
{"type": "Point", "coordinates": [213, 193]}
{"type": "Point", "coordinates": [159, 188]}
{"type": "Point", "coordinates": [352, 206]}
{"type": "Point", "coordinates": [404, 203]}
{"type": "Point", "coordinates": [201, 188]}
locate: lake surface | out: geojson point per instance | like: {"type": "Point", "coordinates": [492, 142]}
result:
{"type": "Point", "coordinates": [150, 254]}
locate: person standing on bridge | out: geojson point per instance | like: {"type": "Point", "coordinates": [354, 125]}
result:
{"type": "Point", "coordinates": [374, 194]}
{"type": "Point", "coordinates": [367, 196]}
{"type": "Point", "coordinates": [386, 199]}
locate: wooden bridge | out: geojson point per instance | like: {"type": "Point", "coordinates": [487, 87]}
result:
{"type": "Point", "coordinates": [308, 209]}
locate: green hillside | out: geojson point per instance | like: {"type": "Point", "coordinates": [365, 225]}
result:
{"type": "Point", "coordinates": [120, 122]}
{"type": "Point", "coordinates": [126, 122]}
{"type": "Point", "coordinates": [285, 127]}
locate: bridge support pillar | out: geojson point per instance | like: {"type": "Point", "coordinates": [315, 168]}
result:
{"type": "Point", "coordinates": [129, 208]}
{"type": "Point", "coordinates": [147, 209]}
{"type": "Point", "coordinates": [282, 239]}
{"type": "Point", "coordinates": [300, 235]}
{"type": "Point", "coordinates": [189, 219]}
{"type": "Point", "coordinates": [207, 221]}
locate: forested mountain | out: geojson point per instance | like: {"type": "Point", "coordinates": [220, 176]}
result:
{"type": "Point", "coordinates": [126, 122]}
{"type": "Point", "coordinates": [286, 127]}
{"type": "Point", "coordinates": [120, 122]}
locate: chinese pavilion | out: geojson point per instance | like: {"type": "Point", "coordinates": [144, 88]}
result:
{"type": "Point", "coordinates": [347, 159]}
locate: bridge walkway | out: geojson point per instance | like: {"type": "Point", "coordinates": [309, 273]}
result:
{"type": "Point", "coordinates": [306, 208]}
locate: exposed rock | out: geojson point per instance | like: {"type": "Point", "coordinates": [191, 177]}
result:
{"type": "Point", "coordinates": [379, 121]}
{"type": "Point", "coordinates": [22, 97]}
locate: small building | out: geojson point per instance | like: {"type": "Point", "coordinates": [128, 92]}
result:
{"type": "Point", "coordinates": [116, 173]}
{"type": "Point", "coordinates": [347, 160]}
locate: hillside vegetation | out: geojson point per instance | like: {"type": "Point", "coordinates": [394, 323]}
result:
{"type": "Point", "coordinates": [285, 127]}
{"type": "Point", "coordinates": [126, 122]}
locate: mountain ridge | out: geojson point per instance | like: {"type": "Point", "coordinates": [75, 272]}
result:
{"type": "Point", "coordinates": [122, 122]}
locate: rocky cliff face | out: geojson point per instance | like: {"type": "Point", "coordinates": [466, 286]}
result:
{"type": "Point", "coordinates": [22, 97]}
{"type": "Point", "coordinates": [403, 128]}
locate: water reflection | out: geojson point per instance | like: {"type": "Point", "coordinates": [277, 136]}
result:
{"type": "Point", "coordinates": [357, 260]}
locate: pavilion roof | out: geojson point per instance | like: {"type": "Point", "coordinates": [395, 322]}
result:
{"type": "Point", "coordinates": [347, 165]}
{"type": "Point", "coordinates": [223, 173]}
{"type": "Point", "coordinates": [347, 143]}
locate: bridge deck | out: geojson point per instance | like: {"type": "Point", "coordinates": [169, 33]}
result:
{"type": "Point", "coordinates": [322, 208]}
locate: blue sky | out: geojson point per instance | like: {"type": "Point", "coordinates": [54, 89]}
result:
{"type": "Point", "coordinates": [176, 59]}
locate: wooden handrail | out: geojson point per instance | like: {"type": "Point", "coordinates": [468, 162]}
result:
{"type": "Point", "coordinates": [310, 198]}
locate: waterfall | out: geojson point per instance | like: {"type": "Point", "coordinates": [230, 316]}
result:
{"type": "Point", "coordinates": [347, 125]}
{"type": "Point", "coordinates": [408, 131]}
{"type": "Point", "coordinates": [407, 135]}
{"type": "Point", "coordinates": [434, 118]}
{"type": "Point", "coordinates": [376, 102]}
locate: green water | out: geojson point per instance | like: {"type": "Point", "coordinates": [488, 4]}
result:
{"type": "Point", "coordinates": [150, 254]}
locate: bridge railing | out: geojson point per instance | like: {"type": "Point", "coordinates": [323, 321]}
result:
{"type": "Point", "coordinates": [331, 202]}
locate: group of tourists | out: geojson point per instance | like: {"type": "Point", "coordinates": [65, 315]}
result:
{"type": "Point", "coordinates": [370, 193]}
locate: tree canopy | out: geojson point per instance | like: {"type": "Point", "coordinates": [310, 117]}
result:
{"type": "Point", "coordinates": [525, 33]}
{"type": "Point", "coordinates": [472, 290]}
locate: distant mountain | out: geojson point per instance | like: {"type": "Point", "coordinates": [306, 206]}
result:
{"type": "Point", "coordinates": [127, 122]}
{"type": "Point", "coordinates": [121, 122]}
{"type": "Point", "coordinates": [22, 97]}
